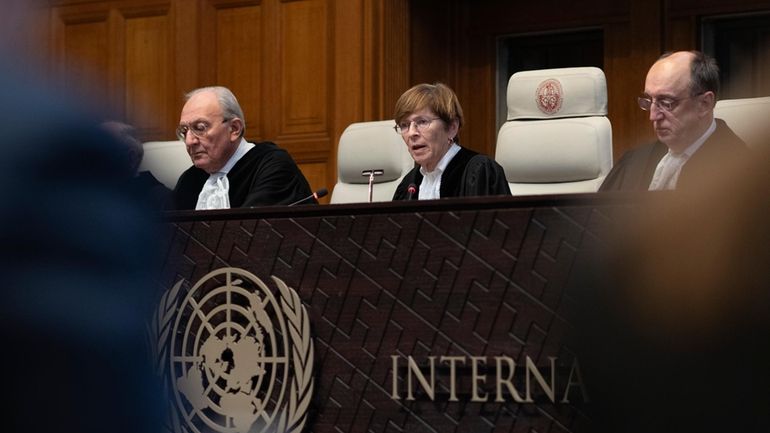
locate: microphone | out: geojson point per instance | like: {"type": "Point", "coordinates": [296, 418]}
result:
{"type": "Point", "coordinates": [411, 190]}
{"type": "Point", "coordinates": [316, 195]}
{"type": "Point", "coordinates": [371, 174]}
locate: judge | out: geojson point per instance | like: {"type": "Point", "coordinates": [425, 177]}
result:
{"type": "Point", "coordinates": [429, 117]}
{"type": "Point", "coordinates": [228, 171]}
{"type": "Point", "coordinates": [680, 92]}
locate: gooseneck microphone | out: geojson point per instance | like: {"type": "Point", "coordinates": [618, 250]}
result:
{"type": "Point", "coordinates": [411, 190]}
{"type": "Point", "coordinates": [316, 195]}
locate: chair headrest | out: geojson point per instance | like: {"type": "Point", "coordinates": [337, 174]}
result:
{"type": "Point", "coordinates": [557, 93]}
{"type": "Point", "coordinates": [536, 152]}
{"type": "Point", "coordinates": [166, 160]}
{"type": "Point", "coordinates": [371, 146]}
{"type": "Point", "coordinates": [747, 117]}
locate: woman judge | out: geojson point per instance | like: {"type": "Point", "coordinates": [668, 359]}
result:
{"type": "Point", "coordinates": [428, 117]}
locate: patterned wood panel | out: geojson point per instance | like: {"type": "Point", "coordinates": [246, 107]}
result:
{"type": "Point", "coordinates": [304, 67]}
{"type": "Point", "coordinates": [237, 47]}
{"type": "Point", "coordinates": [82, 50]}
{"type": "Point", "coordinates": [464, 283]}
{"type": "Point", "coordinates": [147, 67]}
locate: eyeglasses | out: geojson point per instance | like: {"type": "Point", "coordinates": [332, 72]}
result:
{"type": "Point", "coordinates": [199, 128]}
{"type": "Point", "coordinates": [665, 104]}
{"type": "Point", "coordinates": [419, 123]}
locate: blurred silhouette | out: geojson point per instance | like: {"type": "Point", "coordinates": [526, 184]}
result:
{"type": "Point", "coordinates": [143, 183]}
{"type": "Point", "coordinates": [675, 323]}
{"type": "Point", "coordinates": [76, 244]}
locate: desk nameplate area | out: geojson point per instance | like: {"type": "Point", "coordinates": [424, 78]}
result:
{"type": "Point", "coordinates": [435, 319]}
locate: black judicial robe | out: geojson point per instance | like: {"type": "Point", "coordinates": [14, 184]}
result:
{"type": "Point", "coordinates": [636, 167]}
{"type": "Point", "coordinates": [468, 174]}
{"type": "Point", "coordinates": [265, 175]}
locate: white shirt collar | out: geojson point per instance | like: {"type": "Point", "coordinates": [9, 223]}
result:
{"type": "Point", "coordinates": [430, 187]}
{"type": "Point", "coordinates": [441, 166]}
{"type": "Point", "coordinates": [689, 150]}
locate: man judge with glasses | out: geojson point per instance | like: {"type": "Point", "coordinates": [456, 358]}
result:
{"type": "Point", "coordinates": [228, 171]}
{"type": "Point", "coordinates": [679, 93]}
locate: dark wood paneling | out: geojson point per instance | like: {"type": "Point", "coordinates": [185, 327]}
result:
{"type": "Point", "coordinates": [235, 47]}
{"type": "Point", "coordinates": [636, 32]}
{"type": "Point", "coordinates": [306, 69]}
{"type": "Point", "coordinates": [146, 65]}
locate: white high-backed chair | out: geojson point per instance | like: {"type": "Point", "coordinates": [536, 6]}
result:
{"type": "Point", "coordinates": [166, 160]}
{"type": "Point", "coordinates": [749, 118]}
{"type": "Point", "coordinates": [370, 146]}
{"type": "Point", "coordinates": [557, 138]}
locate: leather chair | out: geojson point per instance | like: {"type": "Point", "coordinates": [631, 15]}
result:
{"type": "Point", "coordinates": [370, 146]}
{"type": "Point", "coordinates": [166, 160]}
{"type": "Point", "coordinates": [749, 118]}
{"type": "Point", "coordinates": [557, 138]}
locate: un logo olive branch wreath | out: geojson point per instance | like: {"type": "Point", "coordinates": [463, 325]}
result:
{"type": "Point", "coordinates": [293, 417]}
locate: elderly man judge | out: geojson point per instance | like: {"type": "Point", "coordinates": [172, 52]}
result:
{"type": "Point", "coordinates": [228, 171]}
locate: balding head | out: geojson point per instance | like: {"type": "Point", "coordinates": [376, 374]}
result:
{"type": "Point", "coordinates": [685, 80]}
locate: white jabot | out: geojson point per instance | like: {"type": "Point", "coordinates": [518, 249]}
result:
{"type": "Point", "coordinates": [430, 188]}
{"type": "Point", "coordinates": [670, 166]}
{"type": "Point", "coordinates": [215, 193]}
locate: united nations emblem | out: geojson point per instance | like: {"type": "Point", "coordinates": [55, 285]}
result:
{"type": "Point", "coordinates": [549, 96]}
{"type": "Point", "coordinates": [235, 356]}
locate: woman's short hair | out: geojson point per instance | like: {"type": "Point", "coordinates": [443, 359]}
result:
{"type": "Point", "coordinates": [438, 97]}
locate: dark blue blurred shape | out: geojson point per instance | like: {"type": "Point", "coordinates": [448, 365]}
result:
{"type": "Point", "coordinates": [76, 254]}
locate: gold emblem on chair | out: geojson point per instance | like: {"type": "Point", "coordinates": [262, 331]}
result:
{"type": "Point", "coordinates": [235, 356]}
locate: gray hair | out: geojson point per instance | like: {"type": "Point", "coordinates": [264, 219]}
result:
{"type": "Point", "coordinates": [227, 101]}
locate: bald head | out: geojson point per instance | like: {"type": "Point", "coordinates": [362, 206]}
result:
{"type": "Point", "coordinates": [688, 81]}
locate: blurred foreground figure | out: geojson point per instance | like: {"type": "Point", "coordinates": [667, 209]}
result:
{"type": "Point", "coordinates": [146, 187]}
{"type": "Point", "coordinates": [74, 296]}
{"type": "Point", "coordinates": [676, 323]}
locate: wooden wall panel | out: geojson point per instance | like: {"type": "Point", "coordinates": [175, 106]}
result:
{"type": "Point", "coordinates": [148, 80]}
{"type": "Point", "coordinates": [304, 68]}
{"type": "Point", "coordinates": [682, 34]}
{"type": "Point", "coordinates": [631, 46]}
{"type": "Point", "coordinates": [680, 8]}
{"type": "Point", "coordinates": [395, 34]}
{"type": "Point", "coordinates": [82, 49]}
{"type": "Point", "coordinates": [237, 51]}
{"type": "Point", "coordinates": [317, 175]}
{"type": "Point", "coordinates": [454, 41]}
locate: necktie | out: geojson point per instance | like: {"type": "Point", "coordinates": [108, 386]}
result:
{"type": "Point", "coordinates": [215, 193]}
